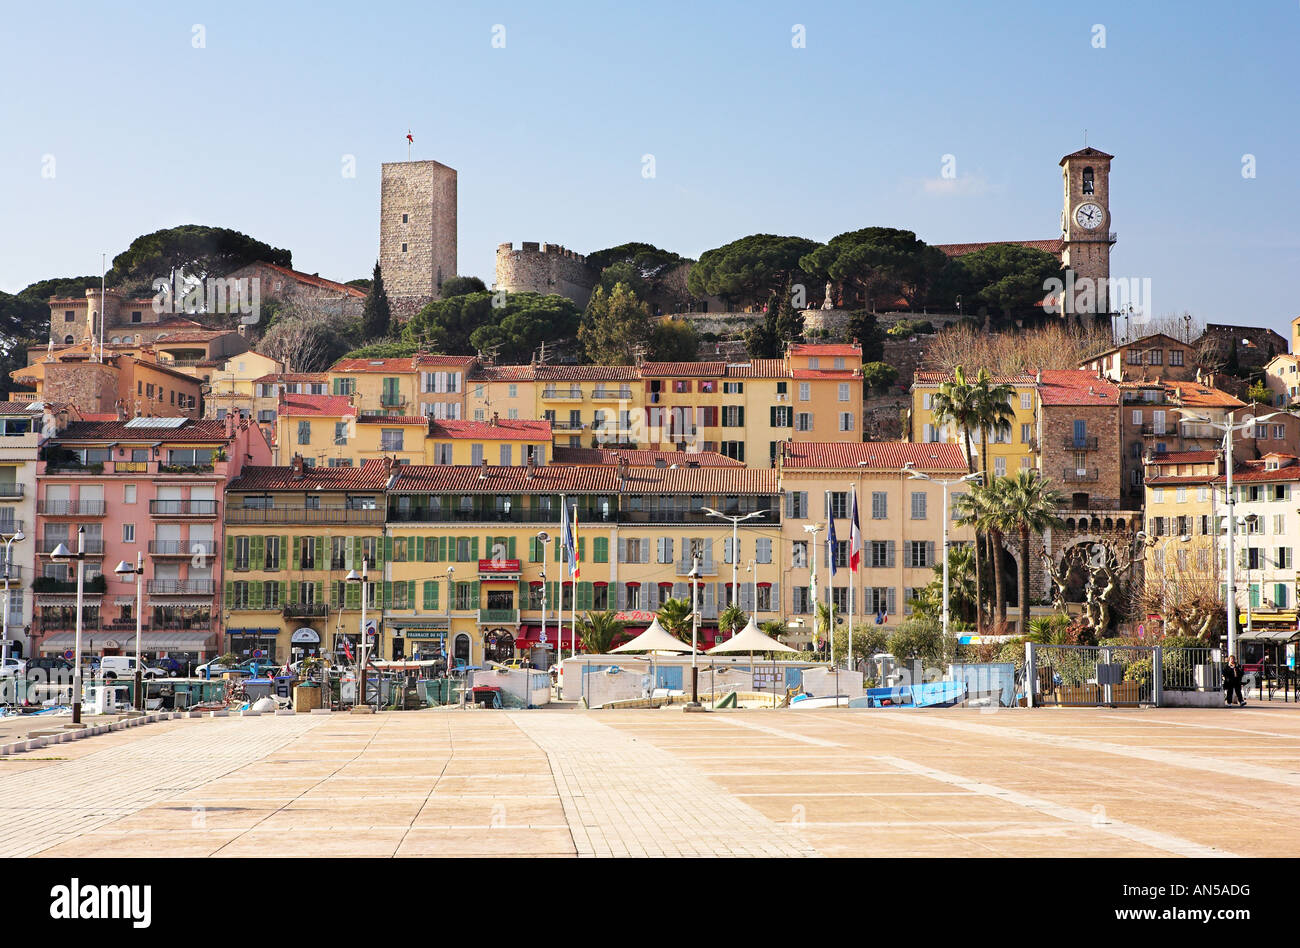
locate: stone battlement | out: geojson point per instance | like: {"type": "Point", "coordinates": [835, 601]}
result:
{"type": "Point", "coordinates": [532, 246]}
{"type": "Point", "coordinates": [544, 268]}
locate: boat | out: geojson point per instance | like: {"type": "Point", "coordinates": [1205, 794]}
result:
{"type": "Point", "coordinates": [807, 702]}
{"type": "Point", "coordinates": [930, 694]}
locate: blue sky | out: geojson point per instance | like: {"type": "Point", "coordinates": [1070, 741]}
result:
{"type": "Point", "coordinates": [748, 133]}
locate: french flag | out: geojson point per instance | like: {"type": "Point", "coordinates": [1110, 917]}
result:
{"type": "Point", "coordinates": [855, 538]}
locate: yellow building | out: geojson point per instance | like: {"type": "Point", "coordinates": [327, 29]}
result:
{"type": "Point", "coordinates": [292, 533]}
{"type": "Point", "coordinates": [320, 428]}
{"type": "Point", "coordinates": [496, 441]}
{"type": "Point", "coordinates": [466, 550]}
{"type": "Point", "coordinates": [900, 519]}
{"type": "Point", "coordinates": [1011, 449]}
{"type": "Point", "coordinates": [234, 384]}
{"type": "Point", "coordinates": [825, 391]}
{"type": "Point", "coordinates": [423, 384]}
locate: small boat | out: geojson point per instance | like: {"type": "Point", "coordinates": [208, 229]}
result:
{"type": "Point", "coordinates": [807, 701]}
{"type": "Point", "coordinates": [930, 694]}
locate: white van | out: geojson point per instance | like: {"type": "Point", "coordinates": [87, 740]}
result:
{"type": "Point", "coordinates": [123, 666]}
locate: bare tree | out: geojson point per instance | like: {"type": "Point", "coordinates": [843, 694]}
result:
{"type": "Point", "coordinates": [1057, 346]}
{"type": "Point", "coordinates": [306, 340]}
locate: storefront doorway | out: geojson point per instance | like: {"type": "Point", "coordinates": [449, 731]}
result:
{"type": "Point", "coordinates": [498, 646]}
{"type": "Point", "coordinates": [462, 648]}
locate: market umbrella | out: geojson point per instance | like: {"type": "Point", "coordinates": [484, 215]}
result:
{"type": "Point", "coordinates": [750, 639]}
{"type": "Point", "coordinates": [654, 639]}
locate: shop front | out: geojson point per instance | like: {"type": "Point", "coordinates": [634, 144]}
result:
{"type": "Point", "coordinates": [304, 643]}
{"type": "Point", "coordinates": [251, 644]}
{"type": "Point", "coordinates": [418, 639]}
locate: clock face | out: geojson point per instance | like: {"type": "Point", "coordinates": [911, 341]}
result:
{"type": "Point", "coordinates": [1089, 216]}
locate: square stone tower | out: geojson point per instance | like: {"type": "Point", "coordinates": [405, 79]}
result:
{"type": "Point", "coordinates": [417, 232]}
{"type": "Point", "coordinates": [1086, 227]}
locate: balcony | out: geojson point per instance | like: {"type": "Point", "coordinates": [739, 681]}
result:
{"type": "Point", "coordinates": [514, 515]}
{"type": "Point", "coordinates": [180, 548]}
{"type": "Point", "coordinates": [604, 394]}
{"type": "Point", "coordinates": [90, 587]}
{"type": "Point", "coordinates": [11, 490]}
{"type": "Point", "coordinates": [183, 508]}
{"type": "Point", "coordinates": [1080, 475]}
{"type": "Point", "coordinates": [305, 610]}
{"type": "Point", "coordinates": [498, 617]}
{"type": "Point", "coordinates": [46, 545]}
{"type": "Point", "coordinates": [707, 567]}
{"type": "Point", "coordinates": [186, 469]}
{"type": "Point", "coordinates": [1164, 431]}
{"type": "Point", "coordinates": [1079, 444]}
{"type": "Point", "coordinates": [562, 394]}
{"type": "Point", "coordinates": [1194, 431]}
{"type": "Point", "coordinates": [392, 400]}
{"type": "Point", "coordinates": [181, 587]}
{"type": "Point", "coordinates": [771, 518]}
{"type": "Point", "coordinates": [302, 516]}
{"type": "Point", "coordinates": [557, 425]}
{"type": "Point", "coordinates": [70, 508]}
{"type": "Point", "coordinates": [130, 467]}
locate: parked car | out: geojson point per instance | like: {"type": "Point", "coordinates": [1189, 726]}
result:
{"type": "Point", "coordinates": [171, 666]}
{"type": "Point", "coordinates": [211, 669]}
{"type": "Point", "coordinates": [517, 663]}
{"type": "Point", "coordinates": [12, 667]}
{"type": "Point", "coordinates": [124, 666]}
{"type": "Point", "coordinates": [49, 669]}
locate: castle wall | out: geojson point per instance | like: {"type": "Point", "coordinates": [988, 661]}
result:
{"type": "Point", "coordinates": [546, 269]}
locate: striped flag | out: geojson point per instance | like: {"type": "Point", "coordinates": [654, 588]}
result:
{"type": "Point", "coordinates": [855, 538]}
{"type": "Point", "coordinates": [567, 542]}
{"type": "Point", "coordinates": [831, 543]}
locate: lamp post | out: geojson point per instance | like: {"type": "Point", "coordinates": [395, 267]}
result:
{"type": "Point", "coordinates": [814, 529]}
{"type": "Point", "coordinates": [125, 569]}
{"type": "Point", "coordinates": [448, 658]}
{"type": "Point", "coordinates": [544, 539]}
{"type": "Point", "coordinates": [735, 540]}
{"type": "Point", "coordinates": [19, 537]}
{"type": "Point", "coordinates": [61, 554]}
{"type": "Point", "coordinates": [921, 476]}
{"type": "Point", "coordinates": [363, 641]}
{"type": "Point", "coordinates": [694, 577]}
{"type": "Point", "coordinates": [1228, 427]}
{"type": "Point", "coordinates": [752, 569]}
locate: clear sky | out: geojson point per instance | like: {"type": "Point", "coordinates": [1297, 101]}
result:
{"type": "Point", "coordinates": [251, 128]}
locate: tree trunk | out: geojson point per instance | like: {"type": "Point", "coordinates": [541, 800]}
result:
{"type": "Point", "coordinates": [999, 586]}
{"type": "Point", "coordinates": [979, 588]}
{"type": "Point", "coordinates": [1024, 581]}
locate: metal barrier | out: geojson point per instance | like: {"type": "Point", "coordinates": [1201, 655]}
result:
{"type": "Point", "coordinates": [1090, 676]}
{"type": "Point", "coordinates": [1191, 669]}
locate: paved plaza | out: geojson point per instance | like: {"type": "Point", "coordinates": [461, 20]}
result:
{"type": "Point", "coordinates": [1169, 782]}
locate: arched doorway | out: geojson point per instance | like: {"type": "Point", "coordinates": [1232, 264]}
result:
{"type": "Point", "coordinates": [498, 646]}
{"type": "Point", "coordinates": [462, 648]}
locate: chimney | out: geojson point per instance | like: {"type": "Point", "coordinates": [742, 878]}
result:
{"type": "Point", "coordinates": [623, 467]}
{"type": "Point", "coordinates": [1038, 377]}
{"type": "Point", "coordinates": [389, 463]}
{"type": "Point", "coordinates": [297, 466]}
{"type": "Point", "coordinates": [496, 418]}
{"type": "Point", "coordinates": [121, 410]}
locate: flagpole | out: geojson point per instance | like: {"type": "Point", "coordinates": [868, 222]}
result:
{"type": "Point", "coordinates": [853, 577]}
{"type": "Point", "coordinates": [830, 582]}
{"type": "Point", "coordinates": [573, 628]}
{"type": "Point", "coordinates": [559, 604]}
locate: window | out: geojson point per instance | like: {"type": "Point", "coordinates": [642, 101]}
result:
{"type": "Point", "coordinates": [128, 533]}
{"type": "Point", "coordinates": [919, 553]}
{"type": "Point", "coordinates": [1000, 467]}
{"type": "Point", "coordinates": [878, 553]}
{"type": "Point", "coordinates": [1088, 183]}
{"type": "Point", "coordinates": [340, 432]}
{"type": "Point", "coordinates": [1026, 433]}
{"type": "Point", "coordinates": [1026, 401]}
{"type": "Point", "coordinates": [633, 595]}
{"type": "Point", "coordinates": [1156, 357]}
{"type": "Point", "coordinates": [304, 432]}
{"type": "Point", "coordinates": [1279, 432]}
{"type": "Point", "coordinates": [841, 554]}
{"type": "Point", "coordinates": [805, 391]}
{"type": "Point", "coordinates": [763, 549]}
{"type": "Point", "coordinates": [879, 505]}
{"type": "Point", "coordinates": [1134, 357]}
{"type": "Point", "coordinates": [128, 494]}
{"type": "Point", "coordinates": [918, 504]}
{"type": "Point", "coordinates": [733, 388]}
{"type": "Point", "coordinates": [271, 558]}
{"type": "Point", "coordinates": [799, 600]}
{"type": "Point", "coordinates": [803, 421]}
{"type": "Point", "coordinates": [242, 545]}
{"type": "Point", "coordinates": [781, 416]}
{"type": "Point", "coordinates": [476, 454]}
{"type": "Point", "coordinates": [307, 558]}
{"type": "Point", "coordinates": [844, 391]}
{"type": "Point", "coordinates": [390, 439]}
{"type": "Point", "coordinates": [1175, 356]}
{"type": "Point", "coordinates": [733, 449]}
{"type": "Point", "coordinates": [799, 554]}
{"type": "Point", "coordinates": [839, 504]}
{"type": "Point", "coordinates": [797, 504]}
{"type": "Point", "coordinates": [846, 421]}
{"type": "Point", "coordinates": [733, 416]}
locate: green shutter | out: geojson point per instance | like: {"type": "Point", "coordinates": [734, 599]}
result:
{"type": "Point", "coordinates": [284, 592]}
{"type": "Point", "coordinates": [293, 590]}
{"type": "Point", "coordinates": [473, 550]}
{"type": "Point", "coordinates": [387, 593]}
{"type": "Point", "coordinates": [230, 553]}
{"type": "Point", "coordinates": [424, 603]}
{"type": "Point", "coordinates": [320, 554]}
{"type": "Point", "coordinates": [255, 596]}
{"type": "Point", "coordinates": [532, 549]}
{"type": "Point", "coordinates": [582, 549]}
{"type": "Point", "coordinates": [510, 549]}
{"type": "Point", "coordinates": [410, 594]}
{"type": "Point", "coordinates": [418, 554]}
{"type": "Point", "coordinates": [600, 550]}
{"type": "Point", "coordinates": [473, 595]}
{"type": "Point", "coordinates": [293, 546]}
{"type": "Point", "coordinates": [230, 592]}
{"type": "Point", "coordinates": [523, 593]}
{"type": "Point", "coordinates": [284, 553]}
{"type": "Point", "coordinates": [442, 550]}
{"type": "Point", "coordinates": [320, 592]}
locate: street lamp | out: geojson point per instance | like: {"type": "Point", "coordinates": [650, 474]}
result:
{"type": "Point", "coordinates": [446, 643]}
{"type": "Point", "coordinates": [735, 545]}
{"type": "Point", "coordinates": [814, 529]}
{"type": "Point", "coordinates": [544, 539]}
{"type": "Point", "coordinates": [752, 569]}
{"type": "Point", "coordinates": [1228, 427]}
{"type": "Point", "coordinates": [363, 640]}
{"type": "Point", "coordinates": [694, 577]}
{"type": "Point", "coordinates": [913, 474]}
{"type": "Point", "coordinates": [19, 537]}
{"type": "Point", "coordinates": [61, 554]}
{"type": "Point", "coordinates": [125, 569]}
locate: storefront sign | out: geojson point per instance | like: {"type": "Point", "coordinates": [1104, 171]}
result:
{"type": "Point", "coordinates": [635, 616]}
{"type": "Point", "coordinates": [305, 636]}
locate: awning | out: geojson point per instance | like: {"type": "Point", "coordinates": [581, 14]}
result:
{"type": "Point", "coordinates": [179, 601]}
{"type": "Point", "coordinates": [68, 599]}
{"type": "Point", "coordinates": [149, 641]}
{"type": "Point", "coordinates": [1268, 635]}
{"type": "Point", "coordinates": [305, 636]}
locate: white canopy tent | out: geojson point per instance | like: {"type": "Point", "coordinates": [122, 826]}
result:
{"type": "Point", "coordinates": [750, 639]}
{"type": "Point", "coordinates": [655, 639]}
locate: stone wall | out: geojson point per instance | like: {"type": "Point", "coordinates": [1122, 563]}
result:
{"type": "Point", "coordinates": [546, 269]}
{"type": "Point", "coordinates": [417, 232]}
{"type": "Point", "coordinates": [1103, 480]}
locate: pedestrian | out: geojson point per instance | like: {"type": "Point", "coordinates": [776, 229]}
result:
{"type": "Point", "coordinates": [1232, 674]}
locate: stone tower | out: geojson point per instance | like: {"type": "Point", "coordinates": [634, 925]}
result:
{"type": "Point", "coordinates": [417, 232]}
{"type": "Point", "coordinates": [1086, 228]}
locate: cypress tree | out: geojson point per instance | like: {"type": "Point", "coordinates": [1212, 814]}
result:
{"type": "Point", "coordinates": [376, 315]}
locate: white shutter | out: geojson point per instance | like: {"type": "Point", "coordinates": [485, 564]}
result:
{"type": "Point", "coordinates": [622, 550]}
{"type": "Point", "coordinates": [668, 558]}
{"type": "Point", "coordinates": [645, 551]}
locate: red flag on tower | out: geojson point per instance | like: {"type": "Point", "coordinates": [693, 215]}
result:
{"type": "Point", "coordinates": [855, 538]}
{"type": "Point", "coordinates": [409, 138]}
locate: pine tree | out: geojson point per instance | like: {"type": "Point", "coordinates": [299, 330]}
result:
{"type": "Point", "coordinates": [376, 315]}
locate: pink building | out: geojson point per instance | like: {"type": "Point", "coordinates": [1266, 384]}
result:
{"type": "Point", "coordinates": [148, 485]}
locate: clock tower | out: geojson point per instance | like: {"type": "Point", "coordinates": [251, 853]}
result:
{"type": "Point", "coordinates": [1086, 233]}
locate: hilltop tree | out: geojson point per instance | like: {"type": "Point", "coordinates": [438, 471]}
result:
{"type": "Point", "coordinates": [638, 265]}
{"type": "Point", "coordinates": [782, 324]}
{"type": "Point", "coordinates": [199, 250]}
{"type": "Point", "coordinates": [881, 263]}
{"type": "Point", "coordinates": [461, 286]}
{"type": "Point", "coordinates": [1010, 278]}
{"type": "Point", "coordinates": [524, 323]}
{"type": "Point", "coordinates": [42, 291]}
{"type": "Point", "coordinates": [672, 341]}
{"type": "Point", "coordinates": [614, 325]}
{"type": "Point", "coordinates": [751, 268]}
{"type": "Point", "coordinates": [376, 314]}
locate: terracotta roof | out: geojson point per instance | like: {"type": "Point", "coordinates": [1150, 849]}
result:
{"type": "Point", "coordinates": [1183, 479]}
{"type": "Point", "coordinates": [405, 364]}
{"type": "Point", "coordinates": [292, 377]}
{"type": "Point", "coordinates": [312, 280]}
{"type": "Point", "coordinates": [505, 429]}
{"type": "Point", "coordinates": [757, 369]}
{"type": "Point", "coordinates": [679, 369]}
{"type": "Point", "coordinates": [1255, 471]}
{"type": "Point", "coordinates": [928, 377]}
{"type": "Point", "coordinates": [1185, 457]}
{"type": "Point", "coordinates": [207, 429]}
{"type": "Point", "coordinates": [192, 335]}
{"type": "Point", "coordinates": [878, 455]}
{"type": "Point", "coordinates": [640, 457]}
{"type": "Point", "coordinates": [1088, 152]}
{"type": "Point", "coordinates": [824, 349]}
{"type": "Point", "coordinates": [1145, 342]}
{"type": "Point", "coordinates": [373, 419]}
{"type": "Point", "coordinates": [455, 479]}
{"type": "Point", "coordinates": [371, 475]}
{"type": "Point", "coordinates": [501, 373]}
{"type": "Point", "coordinates": [432, 359]}
{"type": "Point", "coordinates": [1052, 245]}
{"type": "Point", "coordinates": [335, 406]}
{"type": "Point", "coordinates": [824, 374]}
{"type": "Point", "coordinates": [1194, 395]}
{"type": "Point", "coordinates": [1076, 387]}
{"type": "Point", "coordinates": [584, 373]}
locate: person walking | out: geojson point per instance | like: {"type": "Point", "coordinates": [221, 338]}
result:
{"type": "Point", "coordinates": [1232, 674]}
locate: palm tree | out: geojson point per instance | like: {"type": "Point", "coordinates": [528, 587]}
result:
{"type": "Point", "coordinates": [981, 510]}
{"type": "Point", "coordinates": [732, 617]}
{"type": "Point", "coordinates": [599, 630]}
{"type": "Point", "coordinates": [1027, 504]}
{"type": "Point", "coordinates": [961, 580]}
{"type": "Point", "coordinates": [956, 403]}
{"type": "Point", "coordinates": [825, 621]}
{"type": "Point", "coordinates": [675, 617]}
{"type": "Point", "coordinates": [993, 412]}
